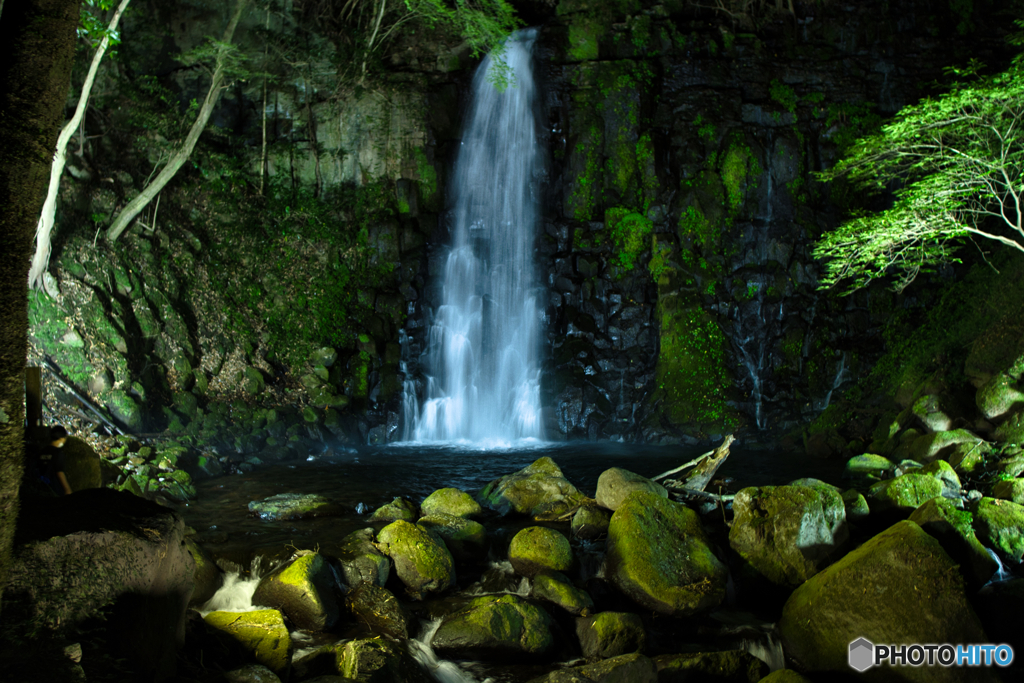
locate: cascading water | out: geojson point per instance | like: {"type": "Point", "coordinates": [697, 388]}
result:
{"type": "Point", "coordinates": [481, 360]}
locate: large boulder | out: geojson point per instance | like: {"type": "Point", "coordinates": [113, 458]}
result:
{"type": "Point", "coordinates": [74, 556]}
{"type": "Point", "coordinates": [590, 522]}
{"type": "Point", "coordinates": [399, 508]}
{"type": "Point", "coordinates": [360, 559]}
{"type": "Point", "coordinates": [207, 577]}
{"type": "Point", "coordinates": [450, 502]}
{"type": "Point", "coordinates": [929, 447]}
{"type": "Point", "coordinates": [303, 589]}
{"type": "Point", "coordinates": [285, 506]}
{"type": "Point", "coordinates": [377, 608]}
{"type": "Point", "coordinates": [999, 396]}
{"type": "Point", "coordinates": [261, 633]}
{"type": "Point", "coordinates": [556, 588]}
{"type": "Point", "coordinates": [616, 483]}
{"type": "Point", "coordinates": [899, 587]}
{"type": "Point", "coordinates": [464, 538]}
{"type": "Point", "coordinates": [632, 668]}
{"type": "Point", "coordinates": [728, 666]}
{"type": "Point", "coordinates": [421, 559]}
{"type": "Point", "coordinates": [537, 489]}
{"type": "Point", "coordinates": [610, 634]}
{"type": "Point", "coordinates": [951, 527]}
{"type": "Point", "coordinates": [660, 557]}
{"type": "Point", "coordinates": [377, 660]}
{"type": "Point", "coordinates": [999, 524]}
{"type": "Point", "coordinates": [905, 493]}
{"type": "Point", "coordinates": [536, 548]}
{"type": "Point", "coordinates": [489, 627]}
{"type": "Point", "coordinates": [788, 533]}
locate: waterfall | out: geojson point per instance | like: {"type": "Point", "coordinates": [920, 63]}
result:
{"type": "Point", "coordinates": [481, 359]}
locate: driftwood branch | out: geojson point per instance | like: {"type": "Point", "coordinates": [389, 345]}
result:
{"type": "Point", "coordinates": [693, 462]}
{"type": "Point", "coordinates": [705, 471]}
{"type": "Point", "coordinates": [684, 494]}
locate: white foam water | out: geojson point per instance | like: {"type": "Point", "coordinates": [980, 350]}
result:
{"type": "Point", "coordinates": [442, 670]}
{"type": "Point", "coordinates": [236, 591]}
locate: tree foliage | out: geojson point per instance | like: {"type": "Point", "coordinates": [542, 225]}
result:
{"type": "Point", "coordinates": [955, 164]}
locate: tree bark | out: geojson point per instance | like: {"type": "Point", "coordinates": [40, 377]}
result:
{"type": "Point", "coordinates": [35, 74]}
{"type": "Point", "coordinates": [134, 207]}
{"type": "Point", "coordinates": [41, 259]}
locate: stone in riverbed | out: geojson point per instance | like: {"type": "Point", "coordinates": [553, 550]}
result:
{"type": "Point", "coordinates": [252, 673]}
{"type": "Point", "coordinates": [632, 668]}
{"type": "Point", "coordinates": [868, 466]}
{"type": "Point", "coordinates": [610, 634]}
{"type": "Point", "coordinates": [303, 589]}
{"type": "Point", "coordinates": [361, 560]}
{"type": "Point", "coordinates": [492, 627]}
{"type": "Point", "coordinates": [905, 493]}
{"type": "Point", "coordinates": [590, 522]}
{"type": "Point", "coordinates": [999, 396]}
{"type": "Point", "coordinates": [464, 538]}
{"type": "Point", "coordinates": [295, 506]}
{"type": "Point", "coordinates": [374, 660]}
{"type": "Point", "coordinates": [421, 559]}
{"type": "Point", "coordinates": [451, 502]}
{"type": "Point", "coordinates": [660, 557]}
{"type": "Point", "coordinates": [729, 666]}
{"type": "Point", "coordinates": [399, 508]}
{"type": "Point", "coordinates": [261, 633]}
{"type": "Point", "coordinates": [207, 577]}
{"type": "Point", "coordinates": [999, 524]}
{"type": "Point", "coordinates": [951, 527]}
{"type": "Point", "coordinates": [899, 587]}
{"type": "Point", "coordinates": [556, 588]}
{"type": "Point", "coordinates": [536, 547]}
{"type": "Point", "coordinates": [537, 489]}
{"type": "Point", "coordinates": [788, 533]}
{"type": "Point", "coordinates": [615, 484]}
{"type": "Point", "coordinates": [1010, 489]}
{"type": "Point", "coordinates": [379, 610]}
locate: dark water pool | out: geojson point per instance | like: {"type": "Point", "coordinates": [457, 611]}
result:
{"type": "Point", "coordinates": [373, 476]}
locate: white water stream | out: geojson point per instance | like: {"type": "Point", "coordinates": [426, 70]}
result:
{"type": "Point", "coordinates": [481, 360]}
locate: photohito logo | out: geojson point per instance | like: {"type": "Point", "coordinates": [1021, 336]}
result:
{"type": "Point", "coordinates": [864, 654]}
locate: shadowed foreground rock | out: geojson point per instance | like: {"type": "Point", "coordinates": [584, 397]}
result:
{"type": "Point", "coordinates": [102, 551]}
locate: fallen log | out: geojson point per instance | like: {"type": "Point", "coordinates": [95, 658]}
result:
{"type": "Point", "coordinates": [704, 471]}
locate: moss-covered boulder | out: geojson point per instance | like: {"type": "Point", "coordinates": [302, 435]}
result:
{"type": "Point", "coordinates": [399, 508]}
{"type": "Point", "coordinates": [868, 466]}
{"type": "Point", "coordinates": [590, 522]}
{"type": "Point", "coordinates": [450, 502]}
{"type": "Point", "coordinates": [952, 528]}
{"type": "Point", "coordinates": [660, 557]}
{"type": "Point", "coordinates": [303, 589]}
{"type": "Point", "coordinates": [207, 577]}
{"type": "Point", "coordinates": [610, 634]}
{"type": "Point", "coordinates": [1011, 430]}
{"type": "Point", "coordinates": [944, 472]}
{"type": "Point", "coordinates": [81, 465]}
{"type": "Point", "coordinates": [1009, 489]}
{"type": "Point", "coordinates": [856, 504]}
{"type": "Point", "coordinates": [421, 559]}
{"type": "Point", "coordinates": [632, 668]}
{"type": "Point", "coordinates": [377, 608]}
{"type": "Point", "coordinates": [261, 633]}
{"type": "Point", "coordinates": [728, 666]}
{"type": "Point", "coordinates": [295, 506]}
{"type": "Point", "coordinates": [788, 533]}
{"type": "Point", "coordinates": [928, 447]}
{"type": "Point", "coordinates": [616, 483]}
{"type": "Point", "coordinates": [377, 660]}
{"type": "Point", "coordinates": [999, 396]}
{"type": "Point", "coordinates": [537, 489]}
{"type": "Point", "coordinates": [360, 559]}
{"type": "Point", "coordinates": [904, 493]}
{"type": "Point", "coordinates": [556, 588]}
{"type": "Point", "coordinates": [537, 547]}
{"type": "Point", "coordinates": [899, 587]}
{"type": "Point", "coordinates": [492, 627]}
{"type": "Point", "coordinates": [463, 537]}
{"type": "Point", "coordinates": [999, 524]}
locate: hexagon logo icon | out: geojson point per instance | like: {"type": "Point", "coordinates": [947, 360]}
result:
{"type": "Point", "coordinates": [862, 654]}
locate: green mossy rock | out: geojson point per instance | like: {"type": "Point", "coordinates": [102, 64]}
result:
{"type": "Point", "coordinates": [1010, 489]}
{"type": "Point", "coordinates": [377, 660]}
{"type": "Point", "coordinates": [361, 561]}
{"type": "Point", "coordinates": [999, 396]}
{"type": "Point", "coordinates": [421, 559]}
{"type": "Point", "coordinates": [399, 508]}
{"type": "Point", "coordinates": [952, 528]}
{"type": "Point", "coordinates": [556, 588]}
{"type": "Point", "coordinates": [450, 502]}
{"type": "Point", "coordinates": [610, 634]}
{"type": "Point", "coordinates": [928, 447]}
{"type": "Point", "coordinates": [1011, 430]}
{"type": "Point", "coordinates": [616, 483]}
{"type": "Point", "coordinates": [377, 608]}
{"type": "Point", "coordinates": [632, 668]}
{"type": "Point", "coordinates": [660, 557]}
{"type": "Point", "coordinates": [729, 666]}
{"type": "Point", "coordinates": [906, 492]}
{"type": "Point", "coordinates": [590, 522]}
{"type": "Point", "coordinates": [969, 457]}
{"type": "Point", "coordinates": [929, 412]}
{"type": "Point", "coordinates": [788, 533]}
{"type": "Point", "coordinates": [303, 589]}
{"type": "Point", "coordinates": [868, 466]}
{"type": "Point", "coordinates": [295, 506]}
{"type": "Point", "coordinates": [899, 587]}
{"type": "Point", "coordinates": [537, 489]}
{"type": "Point", "coordinates": [999, 524]}
{"type": "Point", "coordinates": [464, 538]}
{"type": "Point", "coordinates": [81, 465]}
{"type": "Point", "coordinates": [496, 628]}
{"type": "Point", "coordinates": [856, 505]}
{"type": "Point", "coordinates": [536, 548]}
{"type": "Point", "coordinates": [207, 576]}
{"type": "Point", "coordinates": [944, 472]}
{"type": "Point", "coordinates": [261, 632]}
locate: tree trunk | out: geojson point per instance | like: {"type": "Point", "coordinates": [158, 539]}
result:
{"type": "Point", "coordinates": [42, 256]}
{"type": "Point", "coordinates": [134, 207]}
{"type": "Point", "coordinates": [39, 46]}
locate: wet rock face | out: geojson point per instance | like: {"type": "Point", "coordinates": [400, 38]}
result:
{"type": "Point", "coordinates": [303, 590]}
{"type": "Point", "coordinates": [496, 627]}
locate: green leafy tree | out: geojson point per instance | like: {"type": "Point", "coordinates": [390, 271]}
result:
{"type": "Point", "coordinates": [957, 165]}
